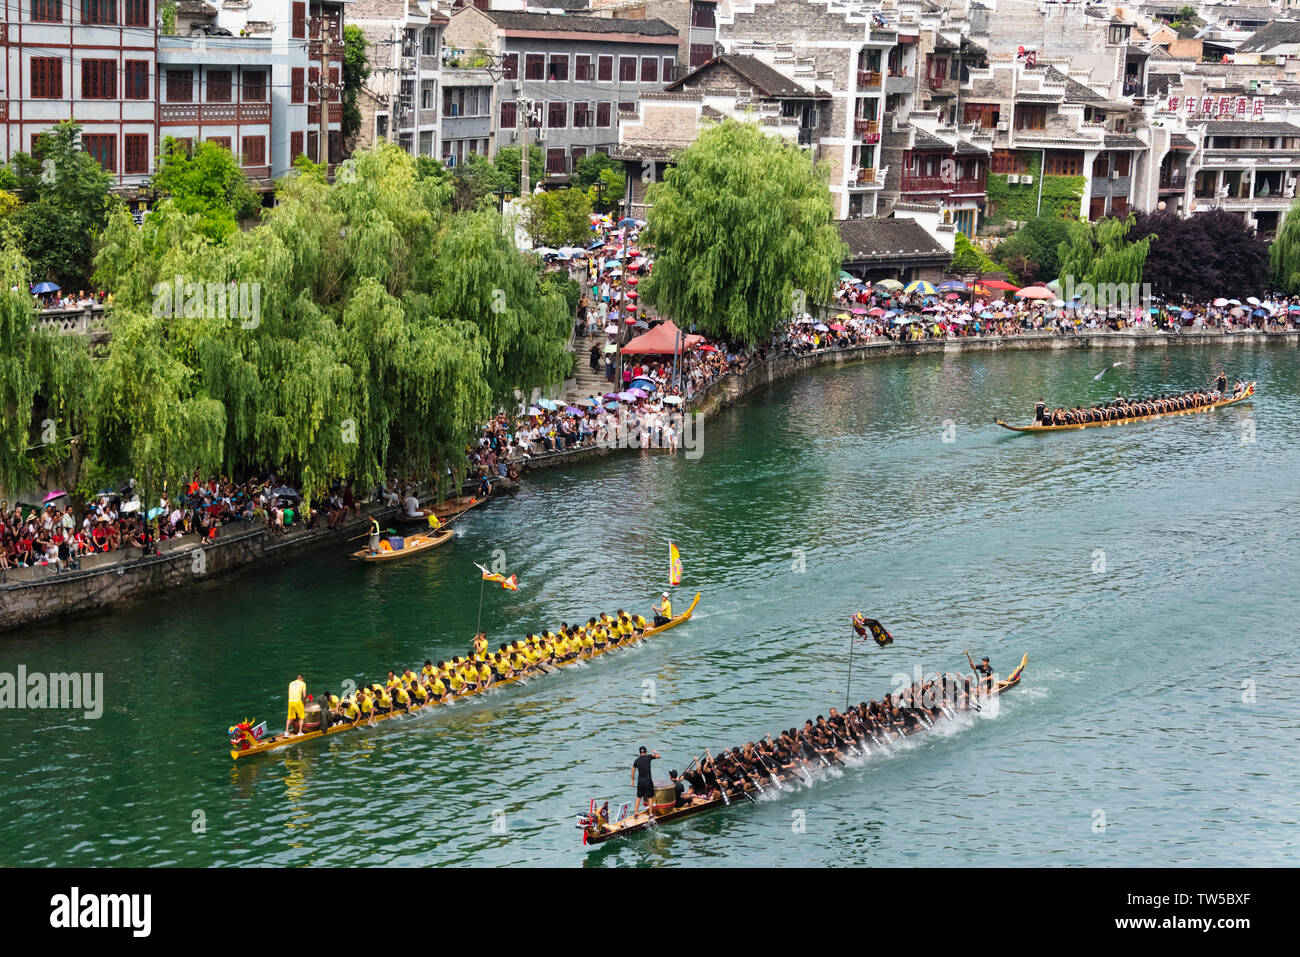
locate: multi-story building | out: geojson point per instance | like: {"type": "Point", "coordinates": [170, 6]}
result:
{"type": "Point", "coordinates": [468, 112]}
{"type": "Point", "coordinates": [399, 102]}
{"type": "Point", "coordinates": [95, 62]}
{"type": "Point", "coordinates": [578, 72]}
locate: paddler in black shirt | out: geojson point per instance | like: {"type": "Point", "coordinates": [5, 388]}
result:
{"type": "Point", "coordinates": [642, 778]}
{"type": "Point", "coordinates": [1040, 412]}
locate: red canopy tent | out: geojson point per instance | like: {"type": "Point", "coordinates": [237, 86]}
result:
{"type": "Point", "coordinates": [662, 340]}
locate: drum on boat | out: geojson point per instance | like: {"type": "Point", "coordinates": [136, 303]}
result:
{"type": "Point", "coordinates": [665, 797]}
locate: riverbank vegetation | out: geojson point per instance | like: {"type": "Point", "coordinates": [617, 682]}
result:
{"type": "Point", "coordinates": [364, 328]}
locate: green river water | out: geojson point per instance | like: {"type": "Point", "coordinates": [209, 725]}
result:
{"type": "Point", "coordinates": [1146, 570]}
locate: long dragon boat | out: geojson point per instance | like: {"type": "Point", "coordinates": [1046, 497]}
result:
{"type": "Point", "coordinates": [243, 746]}
{"type": "Point", "coordinates": [596, 829]}
{"type": "Point", "coordinates": [1242, 396]}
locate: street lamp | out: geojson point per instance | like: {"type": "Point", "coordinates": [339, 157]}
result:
{"type": "Point", "coordinates": [600, 187]}
{"type": "Point", "coordinates": [502, 194]}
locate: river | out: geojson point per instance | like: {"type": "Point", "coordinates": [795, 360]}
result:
{"type": "Point", "coordinates": [1145, 569]}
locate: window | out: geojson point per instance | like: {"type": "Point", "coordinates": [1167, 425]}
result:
{"type": "Point", "coordinates": [99, 11]}
{"type": "Point", "coordinates": [103, 147]}
{"type": "Point", "coordinates": [299, 20]}
{"type": "Point", "coordinates": [582, 115]}
{"type": "Point", "coordinates": [985, 114]}
{"type": "Point", "coordinates": [137, 15]}
{"type": "Point", "coordinates": [701, 53]}
{"type": "Point", "coordinates": [426, 94]}
{"type": "Point", "coordinates": [1063, 163]}
{"type": "Point", "coordinates": [602, 114]}
{"type": "Point", "coordinates": [47, 77]}
{"type": "Point", "coordinates": [559, 67]}
{"type": "Point", "coordinates": [627, 106]}
{"type": "Point", "coordinates": [1118, 207]}
{"type": "Point", "coordinates": [627, 69]}
{"type": "Point", "coordinates": [429, 46]}
{"type": "Point", "coordinates": [313, 84]}
{"type": "Point", "coordinates": [137, 152]}
{"type": "Point", "coordinates": [510, 66]}
{"type": "Point", "coordinates": [557, 114]}
{"type": "Point", "coordinates": [670, 69]}
{"type": "Point", "coordinates": [47, 11]}
{"type": "Point", "coordinates": [99, 79]}
{"type": "Point", "coordinates": [453, 102]}
{"type": "Point", "coordinates": [295, 145]}
{"type": "Point", "coordinates": [702, 15]}
{"type": "Point", "coordinates": [313, 138]}
{"type": "Point", "coordinates": [408, 87]}
{"type": "Point", "coordinates": [185, 144]}
{"type": "Point", "coordinates": [555, 161]}
{"type": "Point", "coordinates": [298, 85]}
{"type": "Point", "coordinates": [1009, 161]}
{"type": "Point", "coordinates": [534, 66]}
{"type": "Point", "coordinates": [180, 86]}
{"type": "Point", "coordinates": [582, 67]}
{"type": "Point", "coordinates": [426, 143]}
{"type": "Point", "coordinates": [578, 152]}
{"type": "Point", "coordinates": [509, 116]}
{"type": "Point", "coordinates": [219, 82]}
{"type": "Point", "coordinates": [136, 80]}
{"type": "Point", "coordinates": [605, 69]}
{"type": "Point", "coordinates": [1031, 117]}
{"type": "Point", "coordinates": [649, 69]}
{"type": "Point", "coordinates": [254, 150]}
{"type": "Point", "coordinates": [1121, 163]}
{"type": "Point", "coordinates": [222, 141]}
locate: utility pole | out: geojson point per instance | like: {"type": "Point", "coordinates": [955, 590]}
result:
{"type": "Point", "coordinates": [524, 109]}
{"type": "Point", "coordinates": [323, 94]}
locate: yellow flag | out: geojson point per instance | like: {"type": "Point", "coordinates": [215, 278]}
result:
{"type": "Point", "coordinates": [674, 565]}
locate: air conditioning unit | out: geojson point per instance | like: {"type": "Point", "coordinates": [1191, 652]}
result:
{"type": "Point", "coordinates": [1114, 174]}
{"type": "Point", "coordinates": [1004, 126]}
{"type": "Point", "coordinates": [1027, 180]}
{"type": "Point", "coordinates": [539, 135]}
{"type": "Point", "coordinates": [1013, 178]}
{"type": "Point", "coordinates": [408, 64]}
{"type": "Point", "coordinates": [510, 135]}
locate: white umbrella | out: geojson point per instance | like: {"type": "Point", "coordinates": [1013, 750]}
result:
{"type": "Point", "coordinates": [611, 328]}
{"type": "Point", "coordinates": [673, 399]}
{"type": "Point", "coordinates": [1252, 300]}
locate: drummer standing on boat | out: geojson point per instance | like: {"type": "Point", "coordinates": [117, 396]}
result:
{"type": "Point", "coordinates": [297, 712]}
{"type": "Point", "coordinates": [642, 778]}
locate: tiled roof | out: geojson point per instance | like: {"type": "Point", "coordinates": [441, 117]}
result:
{"type": "Point", "coordinates": [1247, 128]}
{"type": "Point", "coordinates": [887, 239]}
{"type": "Point", "coordinates": [765, 79]}
{"type": "Point", "coordinates": [1123, 141]}
{"type": "Point", "coordinates": [1275, 34]}
{"type": "Point", "coordinates": [512, 20]}
{"type": "Point", "coordinates": [1074, 90]}
{"type": "Point", "coordinates": [923, 140]}
{"type": "Point", "coordinates": [631, 151]}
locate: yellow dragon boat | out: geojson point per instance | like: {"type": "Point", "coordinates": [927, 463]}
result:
{"type": "Point", "coordinates": [245, 745]}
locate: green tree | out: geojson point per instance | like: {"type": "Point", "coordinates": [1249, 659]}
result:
{"type": "Point", "coordinates": [44, 383]}
{"type": "Point", "coordinates": [1284, 254]}
{"type": "Point", "coordinates": [968, 259]}
{"type": "Point", "coordinates": [475, 180]}
{"type": "Point", "coordinates": [356, 70]}
{"type": "Point", "coordinates": [1102, 252]}
{"type": "Point", "coordinates": [741, 225]}
{"type": "Point", "coordinates": [558, 217]}
{"type": "Point", "coordinates": [599, 168]}
{"type": "Point", "coordinates": [208, 184]}
{"type": "Point", "coordinates": [65, 192]}
{"type": "Point", "coordinates": [1038, 243]}
{"type": "Point", "coordinates": [507, 161]}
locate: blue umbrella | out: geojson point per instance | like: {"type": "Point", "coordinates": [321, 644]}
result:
{"type": "Point", "coordinates": [153, 513]}
{"type": "Point", "coordinates": [1185, 315]}
{"type": "Point", "coordinates": [45, 287]}
{"type": "Point", "coordinates": [953, 285]}
{"type": "Point", "coordinates": [597, 244]}
{"type": "Point", "coordinates": [548, 404]}
{"type": "Point", "coordinates": [622, 223]}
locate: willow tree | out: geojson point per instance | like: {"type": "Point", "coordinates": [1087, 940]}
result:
{"type": "Point", "coordinates": [384, 330]}
{"type": "Point", "coordinates": [1284, 254]}
{"type": "Point", "coordinates": [742, 231]}
{"type": "Point", "coordinates": [1103, 253]}
{"type": "Point", "coordinates": [45, 382]}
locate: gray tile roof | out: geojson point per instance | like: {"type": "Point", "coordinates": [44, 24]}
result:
{"type": "Point", "coordinates": [922, 140]}
{"type": "Point", "coordinates": [1123, 141]}
{"type": "Point", "coordinates": [766, 79]}
{"type": "Point", "coordinates": [887, 239]}
{"type": "Point", "coordinates": [1247, 128]}
{"type": "Point", "coordinates": [1075, 92]}
{"type": "Point", "coordinates": [512, 20]}
{"type": "Point", "coordinates": [1275, 34]}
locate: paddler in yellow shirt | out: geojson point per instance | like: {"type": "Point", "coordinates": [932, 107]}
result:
{"type": "Point", "coordinates": [663, 611]}
{"type": "Point", "coordinates": [350, 711]}
{"type": "Point", "coordinates": [480, 646]}
{"type": "Point", "coordinates": [401, 697]}
{"type": "Point", "coordinates": [484, 673]}
{"type": "Point", "coordinates": [428, 671]}
{"type": "Point", "coordinates": [297, 708]}
{"type": "Point", "coordinates": [365, 703]}
{"type": "Point", "coordinates": [437, 689]}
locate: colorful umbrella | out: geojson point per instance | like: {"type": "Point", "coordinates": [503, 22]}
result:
{"type": "Point", "coordinates": [1035, 292]}
{"type": "Point", "coordinates": [919, 285]}
{"type": "Point", "coordinates": [892, 284]}
{"type": "Point", "coordinates": [953, 285]}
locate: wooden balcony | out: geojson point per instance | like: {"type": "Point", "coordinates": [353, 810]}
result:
{"type": "Point", "coordinates": [869, 79]}
{"type": "Point", "coordinates": [912, 183]}
{"type": "Point", "coordinates": [335, 51]}
{"type": "Point", "coordinates": [193, 114]}
{"type": "Point", "coordinates": [864, 126]}
{"type": "Point", "coordinates": [865, 176]}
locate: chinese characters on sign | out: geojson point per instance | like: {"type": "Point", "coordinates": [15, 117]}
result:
{"type": "Point", "coordinates": [1227, 107]}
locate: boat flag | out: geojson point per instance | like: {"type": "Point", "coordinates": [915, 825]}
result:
{"type": "Point", "coordinates": [489, 576]}
{"type": "Point", "coordinates": [434, 523]}
{"type": "Point", "coordinates": [674, 565]}
{"type": "Point", "coordinates": [862, 624]}
{"type": "Point", "coordinates": [512, 583]}
{"type": "Point", "coordinates": [259, 731]}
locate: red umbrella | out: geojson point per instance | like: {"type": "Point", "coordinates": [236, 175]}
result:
{"type": "Point", "coordinates": [836, 326]}
{"type": "Point", "coordinates": [708, 348]}
{"type": "Point", "coordinates": [1035, 292]}
{"type": "Point", "coordinates": [876, 312]}
{"type": "Point", "coordinates": [999, 284]}
{"type": "Point", "coordinates": [951, 295]}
